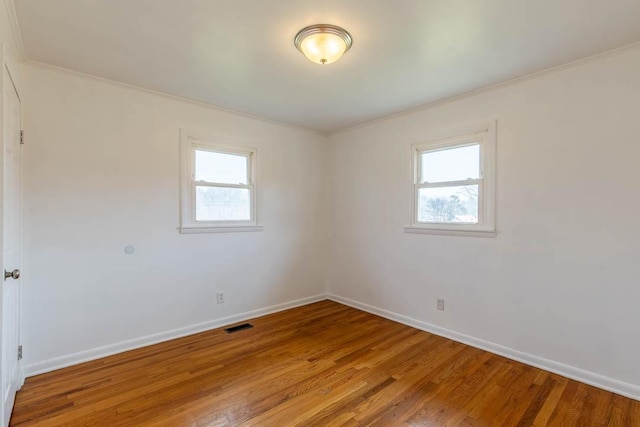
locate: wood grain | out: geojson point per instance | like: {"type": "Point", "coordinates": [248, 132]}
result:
{"type": "Point", "coordinates": [323, 364]}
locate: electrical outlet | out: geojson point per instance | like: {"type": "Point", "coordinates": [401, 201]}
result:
{"type": "Point", "coordinates": [441, 304]}
{"type": "Point", "coordinates": [219, 297]}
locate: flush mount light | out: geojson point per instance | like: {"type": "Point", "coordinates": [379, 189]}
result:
{"type": "Point", "coordinates": [323, 43]}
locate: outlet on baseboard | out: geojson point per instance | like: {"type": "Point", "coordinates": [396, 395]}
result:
{"type": "Point", "coordinates": [441, 304]}
{"type": "Point", "coordinates": [219, 297]}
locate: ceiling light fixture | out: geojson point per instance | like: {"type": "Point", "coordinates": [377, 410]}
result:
{"type": "Point", "coordinates": [323, 43]}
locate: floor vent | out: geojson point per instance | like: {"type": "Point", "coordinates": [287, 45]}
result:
{"type": "Point", "coordinates": [238, 328]}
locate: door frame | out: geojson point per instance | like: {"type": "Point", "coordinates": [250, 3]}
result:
{"type": "Point", "coordinates": [9, 85]}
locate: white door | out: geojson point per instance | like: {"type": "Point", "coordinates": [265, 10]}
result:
{"type": "Point", "coordinates": [11, 230]}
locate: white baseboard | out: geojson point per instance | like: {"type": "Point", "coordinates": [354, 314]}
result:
{"type": "Point", "coordinates": [616, 386]}
{"type": "Point", "coordinates": [108, 350]}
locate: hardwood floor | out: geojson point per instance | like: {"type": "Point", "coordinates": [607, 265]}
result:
{"type": "Point", "coordinates": [323, 364]}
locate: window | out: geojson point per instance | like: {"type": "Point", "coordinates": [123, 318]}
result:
{"type": "Point", "coordinates": [453, 184]}
{"type": "Point", "coordinates": [218, 190]}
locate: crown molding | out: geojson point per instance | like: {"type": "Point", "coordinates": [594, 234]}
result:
{"type": "Point", "coordinates": [62, 70]}
{"type": "Point", "coordinates": [496, 86]}
{"type": "Point", "coordinates": [15, 28]}
{"type": "Point", "coordinates": [423, 107]}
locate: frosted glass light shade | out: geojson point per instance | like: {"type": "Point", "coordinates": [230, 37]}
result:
{"type": "Point", "coordinates": [323, 43]}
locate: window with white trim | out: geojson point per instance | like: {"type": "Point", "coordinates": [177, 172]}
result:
{"type": "Point", "coordinates": [218, 189]}
{"type": "Point", "coordinates": [453, 188]}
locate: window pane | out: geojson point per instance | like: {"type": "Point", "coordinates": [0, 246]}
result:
{"type": "Point", "coordinates": [453, 164]}
{"type": "Point", "coordinates": [223, 204]}
{"type": "Point", "coordinates": [222, 168]}
{"type": "Point", "coordinates": [448, 204]}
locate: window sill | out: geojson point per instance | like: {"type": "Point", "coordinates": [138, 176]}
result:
{"type": "Point", "coordinates": [220, 229]}
{"type": "Point", "coordinates": [450, 232]}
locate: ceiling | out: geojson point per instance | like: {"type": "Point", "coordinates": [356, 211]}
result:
{"type": "Point", "coordinates": [239, 54]}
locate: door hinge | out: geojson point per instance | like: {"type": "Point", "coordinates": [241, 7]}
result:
{"type": "Point", "coordinates": [19, 352]}
{"type": "Point", "coordinates": [21, 137]}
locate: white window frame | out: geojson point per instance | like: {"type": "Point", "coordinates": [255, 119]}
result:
{"type": "Point", "coordinates": [485, 137]}
{"type": "Point", "coordinates": [189, 143]}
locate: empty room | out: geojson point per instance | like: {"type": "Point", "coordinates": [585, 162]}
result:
{"type": "Point", "coordinates": [330, 213]}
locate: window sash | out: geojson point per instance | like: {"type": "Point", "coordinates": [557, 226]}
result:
{"type": "Point", "coordinates": [190, 142]}
{"type": "Point", "coordinates": [202, 183]}
{"type": "Point", "coordinates": [194, 207]}
{"type": "Point", "coordinates": [416, 195]}
{"type": "Point", "coordinates": [217, 184]}
{"type": "Point", "coordinates": [248, 155]}
{"type": "Point", "coordinates": [485, 140]}
{"type": "Point", "coordinates": [444, 184]}
{"type": "Point", "coordinates": [450, 183]}
{"type": "Point", "coordinates": [448, 146]}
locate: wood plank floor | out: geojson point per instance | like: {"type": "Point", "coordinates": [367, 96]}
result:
{"type": "Point", "coordinates": [323, 364]}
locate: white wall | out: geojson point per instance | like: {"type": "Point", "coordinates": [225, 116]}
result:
{"type": "Point", "coordinates": [101, 170]}
{"type": "Point", "coordinates": [561, 281]}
